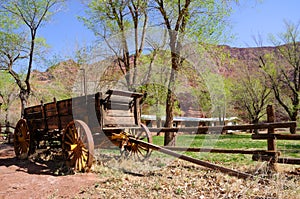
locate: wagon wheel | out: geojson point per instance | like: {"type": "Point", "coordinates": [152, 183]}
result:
{"type": "Point", "coordinates": [135, 150]}
{"type": "Point", "coordinates": [21, 139]}
{"type": "Point", "coordinates": [78, 145]}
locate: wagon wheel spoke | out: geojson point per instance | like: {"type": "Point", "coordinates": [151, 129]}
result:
{"type": "Point", "coordinates": [142, 137]}
{"type": "Point", "coordinates": [21, 139]}
{"type": "Point", "coordinates": [136, 150]}
{"type": "Point", "coordinates": [79, 145]}
{"type": "Point", "coordinates": [83, 138]}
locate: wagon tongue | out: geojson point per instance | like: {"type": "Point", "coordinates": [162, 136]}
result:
{"type": "Point", "coordinates": [193, 160]}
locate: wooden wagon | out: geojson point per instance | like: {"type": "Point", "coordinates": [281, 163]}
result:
{"type": "Point", "coordinates": [78, 125]}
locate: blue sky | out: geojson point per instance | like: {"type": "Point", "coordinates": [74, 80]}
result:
{"type": "Point", "coordinates": [262, 17]}
{"type": "Point", "coordinates": [251, 17]}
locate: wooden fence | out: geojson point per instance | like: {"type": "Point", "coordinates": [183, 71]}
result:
{"type": "Point", "coordinates": [271, 138]}
{"type": "Point", "coordinates": [6, 132]}
{"type": "Point", "coordinates": [271, 154]}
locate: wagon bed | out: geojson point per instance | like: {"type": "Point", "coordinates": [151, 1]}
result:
{"type": "Point", "coordinates": [79, 124]}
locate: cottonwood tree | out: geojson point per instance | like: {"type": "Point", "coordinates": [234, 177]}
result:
{"type": "Point", "coordinates": [249, 88]}
{"type": "Point", "coordinates": [250, 92]}
{"type": "Point", "coordinates": [29, 15]}
{"type": "Point", "coordinates": [7, 95]}
{"type": "Point", "coordinates": [199, 19]}
{"type": "Point", "coordinates": [123, 27]}
{"type": "Point", "coordinates": [120, 25]}
{"type": "Point", "coordinates": [283, 69]}
{"type": "Point", "coordinates": [202, 20]}
{"type": "Point", "coordinates": [13, 49]}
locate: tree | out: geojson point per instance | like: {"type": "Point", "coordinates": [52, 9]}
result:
{"type": "Point", "coordinates": [7, 95]}
{"type": "Point", "coordinates": [114, 22]}
{"type": "Point", "coordinates": [13, 49]}
{"type": "Point", "coordinates": [202, 19]}
{"type": "Point", "coordinates": [29, 14]}
{"type": "Point", "coordinates": [251, 93]}
{"type": "Point", "coordinates": [283, 69]}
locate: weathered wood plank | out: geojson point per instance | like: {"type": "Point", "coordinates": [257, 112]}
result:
{"type": "Point", "coordinates": [64, 107]}
{"type": "Point", "coordinates": [210, 150]}
{"type": "Point", "coordinates": [35, 124]}
{"type": "Point", "coordinates": [118, 121]}
{"type": "Point", "coordinates": [52, 122]}
{"type": "Point", "coordinates": [117, 105]}
{"type": "Point", "coordinates": [34, 115]}
{"type": "Point", "coordinates": [124, 93]}
{"type": "Point", "coordinates": [193, 160]}
{"type": "Point", "coordinates": [65, 120]}
{"type": "Point", "coordinates": [51, 113]}
{"type": "Point", "coordinates": [37, 108]}
{"type": "Point", "coordinates": [284, 160]}
{"type": "Point", "coordinates": [204, 129]}
{"type": "Point", "coordinates": [119, 113]}
{"type": "Point", "coordinates": [276, 136]}
{"type": "Point", "coordinates": [50, 106]}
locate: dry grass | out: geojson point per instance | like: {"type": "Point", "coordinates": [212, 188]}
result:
{"type": "Point", "coordinates": [162, 178]}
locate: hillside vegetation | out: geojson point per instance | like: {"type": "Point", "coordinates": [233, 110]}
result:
{"type": "Point", "coordinates": [65, 80]}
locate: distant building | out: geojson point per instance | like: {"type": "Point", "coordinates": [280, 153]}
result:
{"type": "Point", "coordinates": [151, 121]}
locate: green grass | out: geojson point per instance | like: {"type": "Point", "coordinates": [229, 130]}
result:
{"type": "Point", "coordinates": [288, 148]}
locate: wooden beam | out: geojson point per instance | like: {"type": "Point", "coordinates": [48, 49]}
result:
{"type": "Point", "coordinates": [284, 160]}
{"type": "Point", "coordinates": [281, 160]}
{"type": "Point", "coordinates": [276, 136]}
{"type": "Point", "coordinates": [204, 129]}
{"type": "Point", "coordinates": [210, 150]}
{"type": "Point", "coordinates": [124, 93]}
{"type": "Point", "coordinates": [193, 160]}
{"type": "Point", "coordinates": [271, 118]}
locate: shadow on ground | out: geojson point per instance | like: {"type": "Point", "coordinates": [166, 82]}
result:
{"type": "Point", "coordinates": [47, 162]}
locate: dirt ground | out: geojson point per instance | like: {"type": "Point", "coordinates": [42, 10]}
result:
{"type": "Point", "coordinates": [27, 179]}
{"type": "Point", "coordinates": [48, 179]}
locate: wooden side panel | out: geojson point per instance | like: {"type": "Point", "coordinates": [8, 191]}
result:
{"type": "Point", "coordinates": [119, 112]}
{"type": "Point", "coordinates": [119, 121]}
{"type": "Point", "coordinates": [64, 107]}
{"type": "Point", "coordinates": [32, 109]}
{"type": "Point", "coordinates": [51, 116]}
{"type": "Point", "coordinates": [80, 108]}
{"type": "Point", "coordinates": [35, 117]}
{"type": "Point", "coordinates": [65, 120]}
{"type": "Point", "coordinates": [36, 124]}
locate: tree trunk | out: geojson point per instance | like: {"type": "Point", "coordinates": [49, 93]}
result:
{"type": "Point", "coordinates": [293, 118]}
{"type": "Point", "coordinates": [255, 121]}
{"type": "Point", "coordinates": [294, 112]}
{"type": "Point", "coordinates": [271, 141]}
{"type": "Point", "coordinates": [23, 97]}
{"type": "Point", "coordinates": [170, 139]}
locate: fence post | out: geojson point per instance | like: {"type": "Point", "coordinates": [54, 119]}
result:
{"type": "Point", "coordinates": [271, 140]}
{"type": "Point", "coordinates": [7, 131]}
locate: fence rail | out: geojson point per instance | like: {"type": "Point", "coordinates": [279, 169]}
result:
{"type": "Point", "coordinates": [276, 136]}
{"type": "Point", "coordinates": [271, 154]}
{"type": "Point", "coordinates": [6, 132]}
{"type": "Point", "coordinates": [205, 129]}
